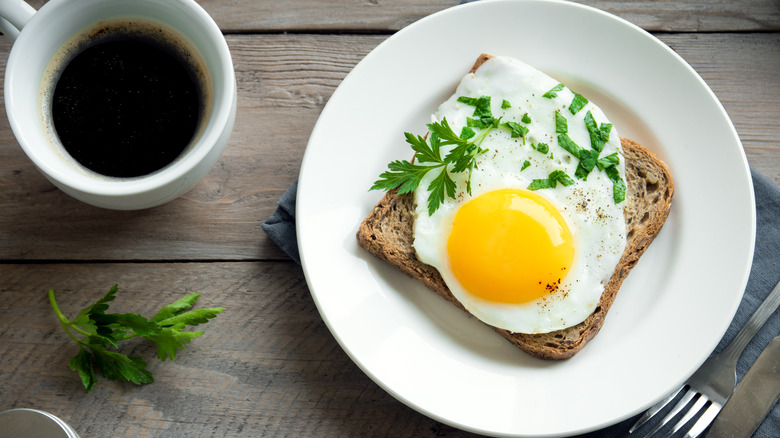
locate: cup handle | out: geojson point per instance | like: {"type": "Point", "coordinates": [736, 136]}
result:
{"type": "Point", "coordinates": [14, 14]}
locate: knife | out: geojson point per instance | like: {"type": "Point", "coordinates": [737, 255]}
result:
{"type": "Point", "coordinates": [753, 398]}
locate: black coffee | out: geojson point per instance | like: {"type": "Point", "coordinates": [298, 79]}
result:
{"type": "Point", "coordinates": [126, 106]}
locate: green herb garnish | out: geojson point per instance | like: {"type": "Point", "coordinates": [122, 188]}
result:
{"type": "Point", "coordinates": [598, 135]}
{"type": "Point", "coordinates": [610, 160]}
{"type": "Point", "coordinates": [103, 331]}
{"type": "Point", "coordinates": [526, 164]}
{"type": "Point", "coordinates": [569, 145]}
{"type": "Point", "coordinates": [407, 176]}
{"type": "Point", "coordinates": [481, 105]}
{"type": "Point", "coordinates": [526, 119]}
{"type": "Point", "coordinates": [588, 159]}
{"type": "Point", "coordinates": [552, 180]}
{"type": "Point", "coordinates": [542, 147]}
{"type": "Point", "coordinates": [577, 103]}
{"type": "Point", "coordinates": [618, 185]}
{"type": "Point", "coordinates": [505, 104]}
{"type": "Point", "coordinates": [561, 125]}
{"type": "Point", "coordinates": [553, 91]}
{"type": "Point", "coordinates": [515, 130]}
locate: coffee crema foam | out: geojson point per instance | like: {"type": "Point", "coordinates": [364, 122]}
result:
{"type": "Point", "coordinates": [144, 30]}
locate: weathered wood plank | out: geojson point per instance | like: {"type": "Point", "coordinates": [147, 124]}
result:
{"type": "Point", "coordinates": [284, 82]}
{"type": "Point", "coordinates": [695, 15]}
{"type": "Point", "coordinates": [390, 16]}
{"type": "Point", "coordinates": [266, 366]}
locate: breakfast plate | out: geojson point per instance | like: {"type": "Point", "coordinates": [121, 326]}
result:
{"type": "Point", "coordinates": [671, 310]}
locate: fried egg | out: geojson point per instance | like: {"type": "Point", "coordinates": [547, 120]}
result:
{"type": "Point", "coordinates": [528, 261]}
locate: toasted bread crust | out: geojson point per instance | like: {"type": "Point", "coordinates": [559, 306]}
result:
{"type": "Point", "coordinates": [388, 233]}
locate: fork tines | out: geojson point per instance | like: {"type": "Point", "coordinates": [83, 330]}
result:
{"type": "Point", "coordinates": [700, 401]}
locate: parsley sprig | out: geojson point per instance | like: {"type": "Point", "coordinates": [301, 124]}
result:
{"type": "Point", "coordinates": [101, 333]}
{"type": "Point", "coordinates": [406, 176]}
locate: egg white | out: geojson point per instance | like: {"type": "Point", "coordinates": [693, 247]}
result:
{"type": "Point", "coordinates": [597, 224]}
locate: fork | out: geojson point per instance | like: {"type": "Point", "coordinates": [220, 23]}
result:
{"type": "Point", "coordinates": [713, 383]}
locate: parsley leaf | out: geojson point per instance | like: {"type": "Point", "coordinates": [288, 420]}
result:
{"type": "Point", "coordinates": [406, 176]}
{"type": "Point", "coordinates": [466, 133]}
{"type": "Point", "coordinates": [516, 130]}
{"type": "Point", "coordinates": [402, 175]}
{"type": "Point", "coordinates": [82, 364]}
{"type": "Point", "coordinates": [526, 164]}
{"type": "Point", "coordinates": [610, 160]}
{"type": "Point", "coordinates": [543, 148]}
{"type": "Point", "coordinates": [568, 145]}
{"type": "Point", "coordinates": [425, 153]}
{"type": "Point", "coordinates": [440, 186]}
{"type": "Point", "coordinates": [587, 162]}
{"type": "Point", "coordinates": [618, 185]}
{"type": "Point", "coordinates": [480, 123]}
{"type": "Point", "coordinates": [526, 118]}
{"type": "Point", "coordinates": [598, 135]}
{"type": "Point", "coordinates": [117, 366]}
{"type": "Point", "coordinates": [561, 125]}
{"type": "Point", "coordinates": [553, 91]}
{"type": "Point", "coordinates": [103, 331]}
{"type": "Point", "coordinates": [481, 105]}
{"type": "Point", "coordinates": [605, 129]}
{"type": "Point", "coordinates": [505, 104]}
{"type": "Point", "coordinates": [170, 339]}
{"type": "Point", "coordinates": [552, 180]}
{"type": "Point", "coordinates": [577, 103]}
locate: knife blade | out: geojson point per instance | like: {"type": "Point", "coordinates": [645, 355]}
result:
{"type": "Point", "coordinates": [753, 398]}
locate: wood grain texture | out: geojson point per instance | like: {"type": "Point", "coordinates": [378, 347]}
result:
{"type": "Point", "coordinates": [266, 366]}
{"type": "Point", "coordinates": [284, 82]}
{"type": "Point", "coordinates": [392, 15]}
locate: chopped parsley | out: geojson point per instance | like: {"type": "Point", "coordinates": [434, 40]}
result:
{"type": "Point", "coordinates": [569, 145]}
{"type": "Point", "coordinates": [598, 134]}
{"type": "Point", "coordinates": [542, 147]}
{"type": "Point", "coordinates": [610, 160]}
{"type": "Point", "coordinates": [588, 159]}
{"type": "Point", "coordinates": [561, 124]}
{"type": "Point", "coordinates": [618, 185]}
{"type": "Point", "coordinates": [552, 180]}
{"type": "Point", "coordinates": [406, 176]}
{"type": "Point", "coordinates": [481, 105]}
{"type": "Point", "coordinates": [577, 103]}
{"type": "Point", "coordinates": [466, 133]}
{"type": "Point", "coordinates": [515, 130]}
{"type": "Point", "coordinates": [480, 123]}
{"type": "Point", "coordinates": [553, 91]}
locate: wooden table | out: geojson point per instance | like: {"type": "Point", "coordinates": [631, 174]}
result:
{"type": "Point", "coordinates": [268, 365]}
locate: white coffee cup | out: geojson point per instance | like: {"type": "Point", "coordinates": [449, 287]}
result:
{"type": "Point", "coordinates": [39, 36]}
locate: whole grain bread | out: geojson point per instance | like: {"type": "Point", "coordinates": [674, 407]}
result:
{"type": "Point", "coordinates": [387, 233]}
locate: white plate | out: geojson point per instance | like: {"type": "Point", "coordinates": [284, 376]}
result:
{"type": "Point", "coordinates": [671, 311]}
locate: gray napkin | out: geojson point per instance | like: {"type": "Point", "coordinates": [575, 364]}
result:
{"type": "Point", "coordinates": [764, 274]}
{"type": "Point", "coordinates": [280, 227]}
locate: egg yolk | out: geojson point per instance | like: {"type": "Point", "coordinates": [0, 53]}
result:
{"type": "Point", "coordinates": [510, 246]}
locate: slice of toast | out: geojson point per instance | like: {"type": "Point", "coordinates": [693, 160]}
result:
{"type": "Point", "coordinates": [388, 234]}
